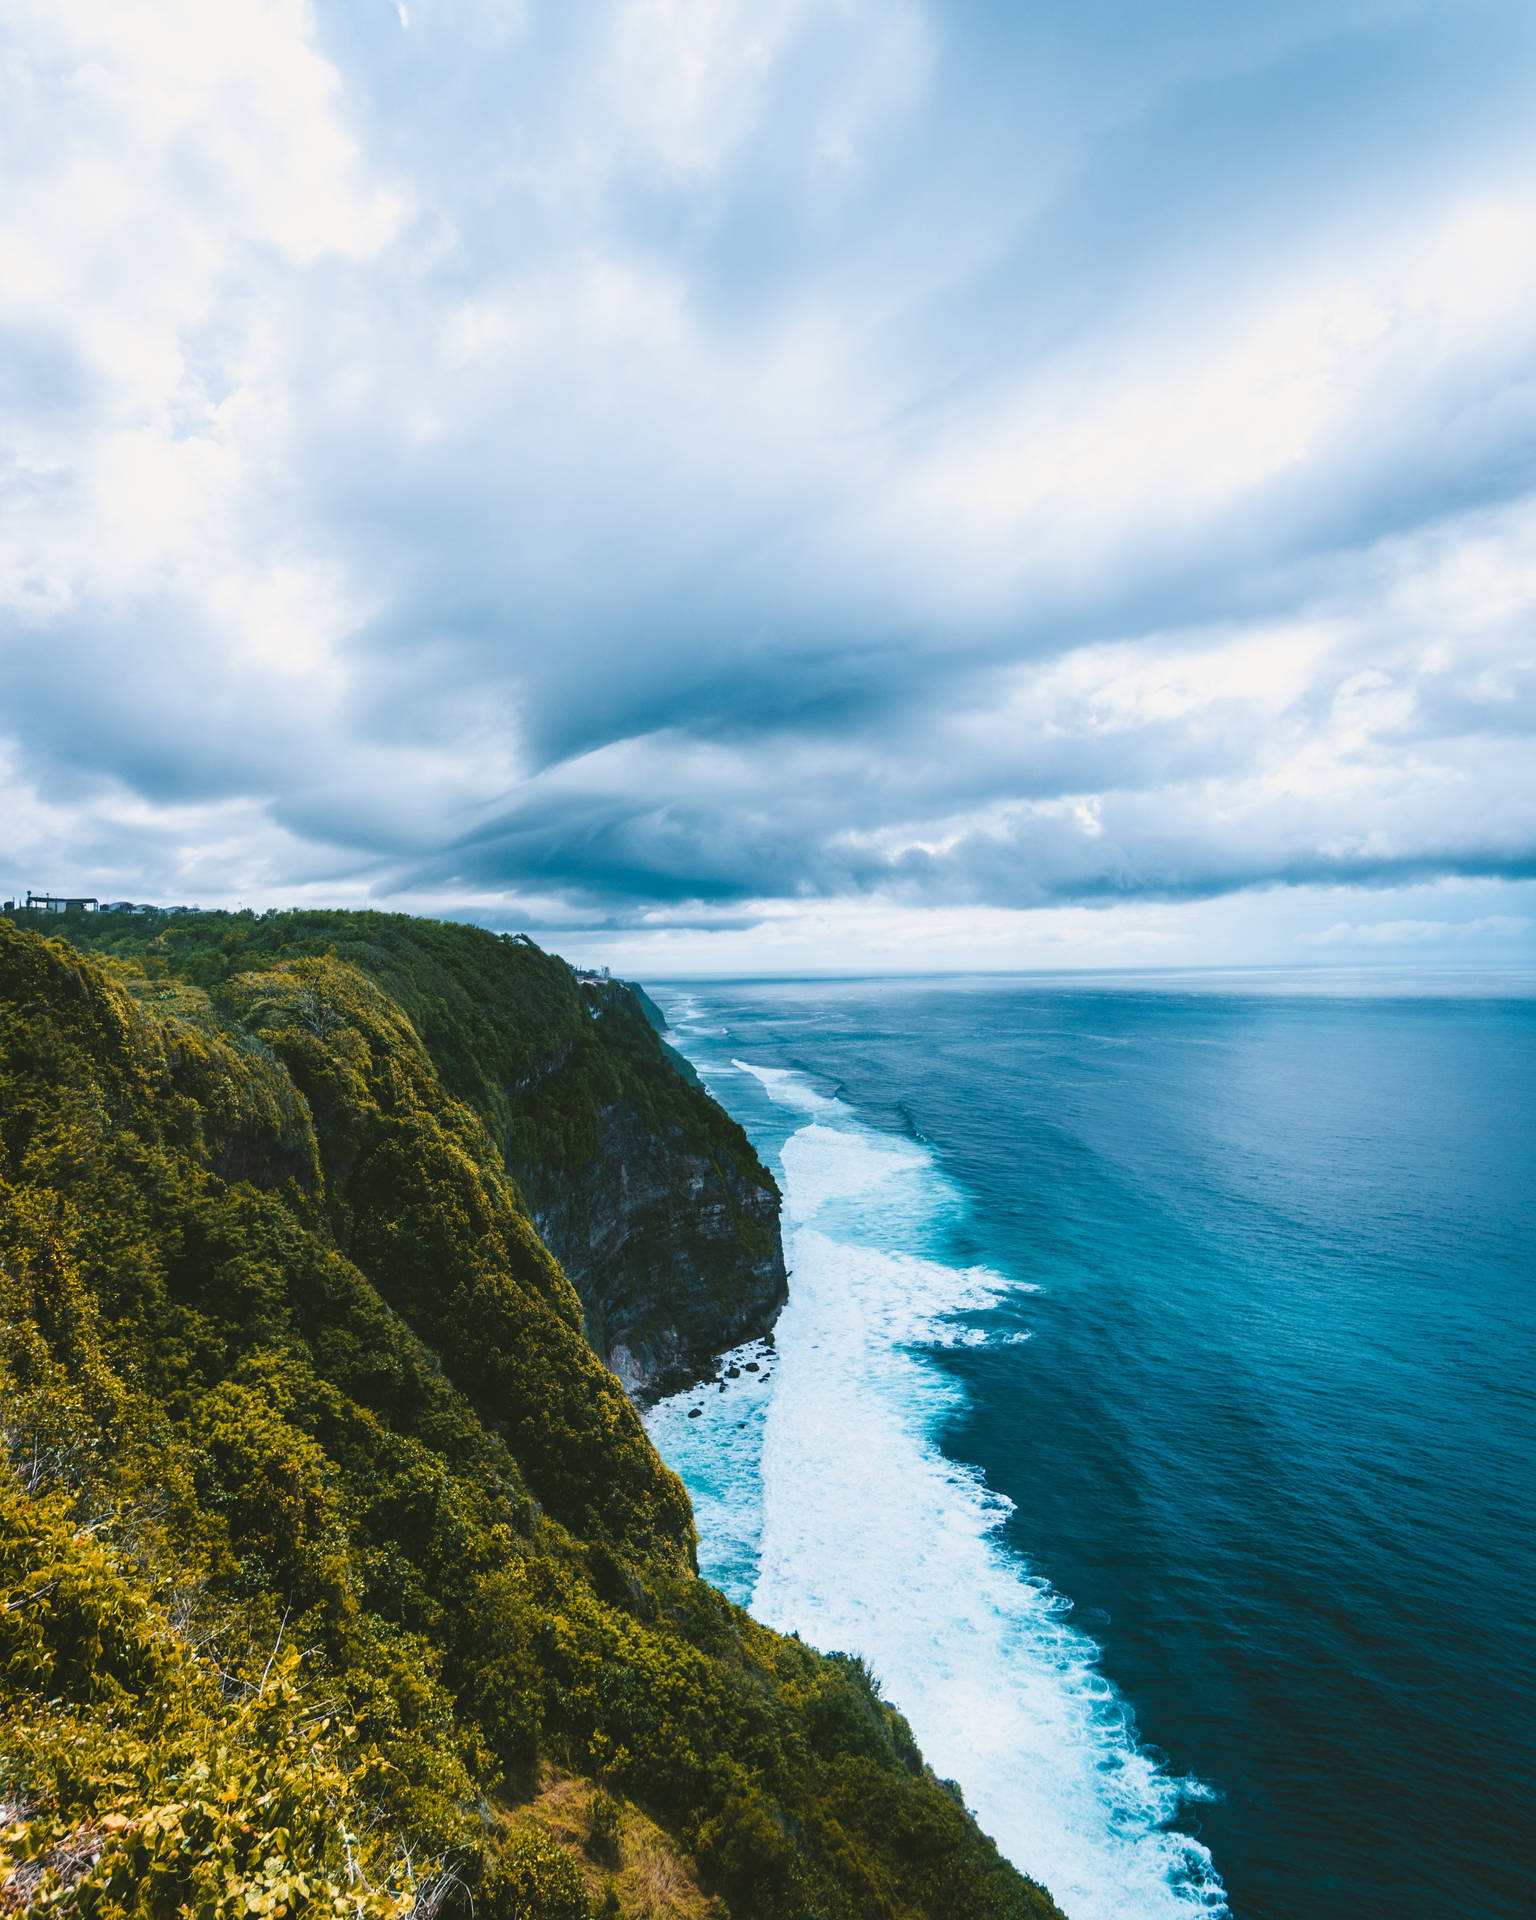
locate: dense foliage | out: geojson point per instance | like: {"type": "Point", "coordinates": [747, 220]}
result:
{"type": "Point", "coordinates": [327, 1541]}
{"type": "Point", "coordinates": [649, 1192]}
{"type": "Point", "coordinates": [508, 1027]}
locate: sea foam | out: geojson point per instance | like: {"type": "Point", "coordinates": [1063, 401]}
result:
{"type": "Point", "coordinates": [825, 1503]}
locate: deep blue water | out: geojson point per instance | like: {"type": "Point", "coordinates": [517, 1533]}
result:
{"type": "Point", "coordinates": [1268, 1422]}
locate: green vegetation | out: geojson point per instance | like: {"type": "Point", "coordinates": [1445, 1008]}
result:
{"type": "Point", "coordinates": [331, 1557]}
{"type": "Point", "coordinates": [649, 1192]}
{"type": "Point", "coordinates": [508, 1028]}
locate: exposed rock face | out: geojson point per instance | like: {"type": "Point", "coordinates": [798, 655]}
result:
{"type": "Point", "coordinates": [676, 1254]}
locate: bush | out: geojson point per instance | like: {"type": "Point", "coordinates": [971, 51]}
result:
{"type": "Point", "coordinates": [602, 1841]}
{"type": "Point", "coordinates": [533, 1880]}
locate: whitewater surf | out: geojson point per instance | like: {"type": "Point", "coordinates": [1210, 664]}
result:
{"type": "Point", "coordinates": [826, 1504]}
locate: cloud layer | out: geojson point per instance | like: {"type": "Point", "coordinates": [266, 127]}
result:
{"type": "Point", "coordinates": [690, 463]}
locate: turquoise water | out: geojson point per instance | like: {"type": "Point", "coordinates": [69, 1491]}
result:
{"type": "Point", "coordinates": [1154, 1409]}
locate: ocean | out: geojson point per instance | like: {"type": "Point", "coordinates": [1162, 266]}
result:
{"type": "Point", "coordinates": [1155, 1411]}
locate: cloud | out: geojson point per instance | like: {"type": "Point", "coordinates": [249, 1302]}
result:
{"type": "Point", "coordinates": [699, 459]}
{"type": "Point", "coordinates": [1487, 929]}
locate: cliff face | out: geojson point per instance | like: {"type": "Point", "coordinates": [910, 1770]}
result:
{"type": "Point", "coordinates": [674, 1256]}
{"type": "Point", "coordinates": [671, 1240]}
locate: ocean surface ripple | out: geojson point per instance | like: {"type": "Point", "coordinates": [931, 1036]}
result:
{"type": "Point", "coordinates": [1153, 1412]}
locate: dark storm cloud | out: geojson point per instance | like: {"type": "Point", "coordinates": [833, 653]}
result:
{"type": "Point", "coordinates": [648, 461]}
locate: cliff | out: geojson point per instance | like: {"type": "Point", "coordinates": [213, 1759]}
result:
{"type": "Point", "coordinates": [671, 1241]}
{"type": "Point", "coordinates": [650, 1197]}
{"type": "Point", "coordinates": [339, 1575]}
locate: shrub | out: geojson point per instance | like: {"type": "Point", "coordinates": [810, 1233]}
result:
{"type": "Point", "coordinates": [533, 1880]}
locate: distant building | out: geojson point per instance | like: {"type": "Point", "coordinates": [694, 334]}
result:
{"type": "Point", "coordinates": [59, 903]}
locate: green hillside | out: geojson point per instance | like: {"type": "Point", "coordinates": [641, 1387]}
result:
{"type": "Point", "coordinates": [337, 1573]}
{"type": "Point", "coordinates": [650, 1194]}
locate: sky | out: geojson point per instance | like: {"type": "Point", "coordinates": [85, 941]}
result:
{"type": "Point", "coordinates": [775, 485]}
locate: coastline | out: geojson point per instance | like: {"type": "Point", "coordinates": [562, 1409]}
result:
{"type": "Point", "coordinates": [834, 1512]}
{"type": "Point", "coordinates": [1270, 1433]}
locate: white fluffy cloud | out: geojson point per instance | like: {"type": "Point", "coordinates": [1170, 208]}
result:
{"type": "Point", "coordinates": [682, 464]}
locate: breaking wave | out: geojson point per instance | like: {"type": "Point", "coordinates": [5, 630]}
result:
{"type": "Point", "coordinates": [827, 1505]}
